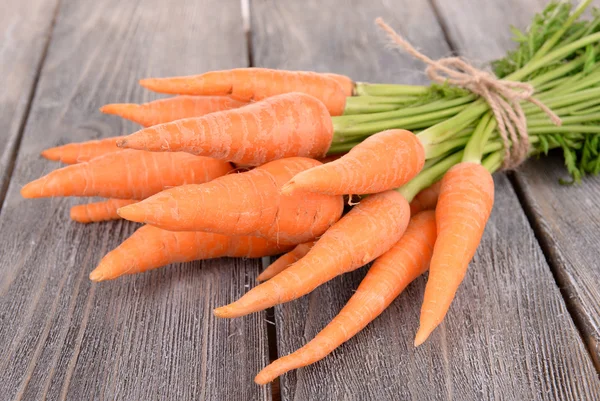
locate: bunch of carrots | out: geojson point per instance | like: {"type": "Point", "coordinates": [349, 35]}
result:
{"type": "Point", "coordinates": [255, 162]}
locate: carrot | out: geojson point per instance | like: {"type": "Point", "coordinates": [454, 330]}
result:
{"type": "Point", "coordinates": [251, 84]}
{"type": "Point", "coordinates": [284, 261]}
{"type": "Point", "coordinates": [127, 174]}
{"type": "Point", "coordinates": [171, 109]}
{"type": "Point", "coordinates": [381, 162]}
{"type": "Point", "coordinates": [248, 203]}
{"type": "Point", "coordinates": [293, 124]}
{"type": "Point", "coordinates": [366, 232]}
{"type": "Point", "coordinates": [72, 153]}
{"type": "Point", "coordinates": [464, 206]}
{"type": "Point", "coordinates": [426, 199]}
{"type": "Point", "coordinates": [386, 279]}
{"type": "Point", "coordinates": [345, 82]}
{"type": "Point", "coordinates": [99, 211]}
{"type": "Point", "coordinates": [150, 247]}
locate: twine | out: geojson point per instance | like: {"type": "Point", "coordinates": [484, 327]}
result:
{"type": "Point", "coordinates": [504, 97]}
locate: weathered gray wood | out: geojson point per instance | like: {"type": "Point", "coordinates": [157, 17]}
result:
{"type": "Point", "coordinates": [565, 218]}
{"type": "Point", "coordinates": [508, 334]}
{"type": "Point", "coordinates": [151, 336]}
{"type": "Point", "coordinates": [25, 28]}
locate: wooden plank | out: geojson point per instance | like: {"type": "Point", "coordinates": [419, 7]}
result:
{"type": "Point", "coordinates": [508, 334]}
{"type": "Point", "coordinates": [25, 28]}
{"type": "Point", "coordinates": [565, 218]}
{"type": "Point", "coordinates": [151, 336]}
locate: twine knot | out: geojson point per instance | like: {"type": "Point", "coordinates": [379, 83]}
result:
{"type": "Point", "coordinates": [504, 97]}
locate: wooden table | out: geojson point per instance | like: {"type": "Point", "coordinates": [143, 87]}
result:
{"type": "Point", "coordinates": [524, 326]}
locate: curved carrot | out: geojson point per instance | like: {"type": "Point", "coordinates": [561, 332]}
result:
{"type": "Point", "coordinates": [386, 279]}
{"type": "Point", "coordinates": [248, 84]}
{"type": "Point", "coordinates": [426, 199]}
{"type": "Point", "coordinates": [99, 211]}
{"type": "Point", "coordinates": [366, 232]}
{"type": "Point", "coordinates": [248, 203]}
{"type": "Point", "coordinates": [345, 82]}
{"type": "Point", "coordinates": [80, 152]}
{"type": "Point", "coordinates": [381, 162]}
{"type": "Point", "coordinates": [284, 261]}
{"type": "Point", "coordinates": [174, 108]}
{"type": "Point", "coordinates": [127, 174]}
{"type": "Point", "coordinates": [464, 206]}
{"type": "Point", "coordinates": [293, 124]}
{"type": "Point", "coordinates": [150, 247]}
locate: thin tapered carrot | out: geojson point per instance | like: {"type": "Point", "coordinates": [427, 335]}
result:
{"type": "Point", "coordinates": [426, 199]}
{"type": "Point", "coordinates": [171, 109]}
{"type": "Point", "coordinates": [386, 279]}
{"type": "Point", "coordinates": [284, 261]}
{"type": "Point", "coordinates": [463, 208]}
{"type": "Point", "coordinates": [150, 247]}
{"type": "Point", "coordinates": [381, 162]}
{"type": "Point", "coordinates": [370, 229]}
{"type": "Point", "coordinates": [252, 84]}
{"type": "Point", "coordinates": [247, 203]}
{"type": "Point", "coordinates": [99, 211]}
{"type": "Point", "coordinates": [127, 174]}
{"type": "Point", "coordinates": [293, 124]}
{"type": "Point", "coordinates": [80, 152]}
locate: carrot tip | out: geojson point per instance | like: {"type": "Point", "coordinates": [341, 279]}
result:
{"type": "Point", "coordinates": [421, 336]}
{"type": "Point", "coordinates": [132, 213]}
{"type": "Point", "coordinates": [50, 154]}
{"type": "Point", "coordinates": [288, 188]}
{"type": "Point", "coordinates": [221, 312]}
{"type": "Point", "coordinates": [95, 275]}
{"type": "Point", "coordinates": [122, 143]}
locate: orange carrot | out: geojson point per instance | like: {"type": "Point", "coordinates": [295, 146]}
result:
{"type": "Point", "coordinates": [366, 232]}
{"type": "Point", "coordinates": [293, 124]}
{"type": "Point", "coordinates": [346, 83]}
{"type": "Point", "coordinates": [150, 247]}
{"type": "Point", "coordinates": [99, 211]}
{"type": "Point", "coordinates": [128, 174]}
{"type": "Point", "coordinates": [284, 261]}
{"type": "Point", "coordinates": [426, 199]}
{"type": "Point", "coordinates": [381, 162]}
{"type": "Point", "coordinates": [464, 206]}
{"type": "Point", "coordinates": [386, 279]}
{"type": "Point", "coordinates": [171, 109]}
{"type": "Point", "coordinates": [248, 84]}
{"type": "Point", "coordinates": [248, 203]}
{"type": "Point", "coordinates": [72, 153]}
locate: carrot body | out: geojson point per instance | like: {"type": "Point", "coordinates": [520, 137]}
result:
{"type": "Point", "coordinates": [386, 279]}
{"type": "Point", "coordinates": [248, 203]}
{"type": "Point", "coordinates": [171, 109]}
{"type": "Point", "coordinates": [72, 153]}
{"type": "Point", "coordinates": [284, 261]}
{"type": "Point", "coordinates": [252, 84]}
{"type": "Point", "coordinates": [288, 125]}
{"type": "Point", "coordinates": [464, 206]}
{"type": "Point", "coordinates": [99, 211]}
{"type": "Point", "coordinates": [127, 174]}
{"type": "Point", "coordinates": [426, 199]}
{"type": "Point", "coordinates": [366, 232]}
{"type": "Point", "coordinates": [381, 162]}
{"type": "Point", "coordinates": [150, 247]}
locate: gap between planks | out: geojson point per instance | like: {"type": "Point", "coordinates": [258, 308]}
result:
{"type": "Point", "coordinates": [10, 166]}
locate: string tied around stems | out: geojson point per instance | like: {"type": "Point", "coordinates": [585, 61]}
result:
{"type": "Point", "coordinates": [504, 97]}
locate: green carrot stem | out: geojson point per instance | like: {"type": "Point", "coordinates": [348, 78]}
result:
{"type": "Point", "coordinates": [558, 72]}
{"type": "Point", "coordinates": [545, 120]}
{"type": "Point", "coordinates": [363, 88]}
{"type": "Point", "coordinates": [477, 142]}
{"type": "Point", "coordinates": [493, 161]}
{"type": "Point", "coordinates": [582, 129]}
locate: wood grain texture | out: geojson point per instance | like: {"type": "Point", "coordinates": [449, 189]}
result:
{"type": "Point", "coordinates": [566, 219]}
{"type": "Point", "coordinates": [508, 334]}
{"type": "Point", "coordinates": [147, 337]}
{"type": "Point", "coordinates": [25, 28]}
